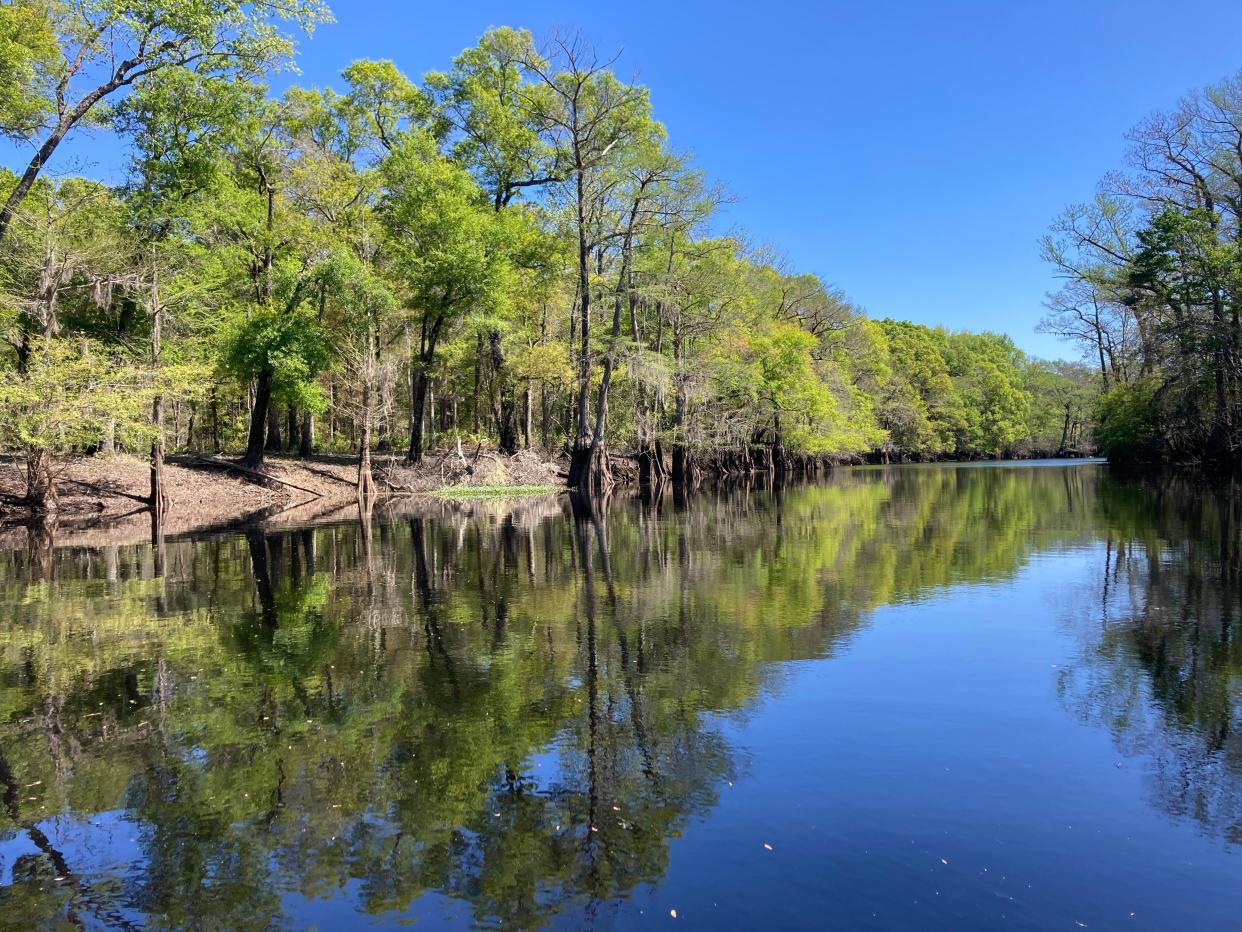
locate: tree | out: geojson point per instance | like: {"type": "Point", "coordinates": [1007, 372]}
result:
{"type": "Point", "coordinates": [282, 350]}
{"type": "Point", "coordinates": [60, 400]}
{"type": "Point", "coordinates": [484, 102]}
{"type": "Point", "coordinates": [358, 304]}
{"type": "Point", "coordinates": [178, 122]}
{"type": "Point", "coordinates": [591, 118]}
{"type": "Point", "coordinates": [1155, 274]}
{"type": "Point", "coordinates": [335, 144]}
{"type": "Point", "coordinates": [106, 47]}
{"type": "Point", "coordinates": [448, 253]}
{"type": "Point", "coordinates": [516, 242]}
{"type": "Point", "coordinates": [60, 259]}
{"type": "Point", "coordinates": [29, 53]}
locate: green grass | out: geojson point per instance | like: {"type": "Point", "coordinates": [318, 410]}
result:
{"type": "Point", "coordinates": [495, 491]}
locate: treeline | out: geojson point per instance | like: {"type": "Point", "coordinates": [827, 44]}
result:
{"type": "Point", "coordinates": [1153, 272]}
{"type": "Point", "coordinates": [509, 251]}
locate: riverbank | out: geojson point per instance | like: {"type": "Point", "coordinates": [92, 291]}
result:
{"type": "Point", "coordinates": [103, 499]}
{"type": "Point", "coordinates": [205, 491]}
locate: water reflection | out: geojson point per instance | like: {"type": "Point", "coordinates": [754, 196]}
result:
{"type": "Point", "coordinates": [520, 708]}
{"type": "Point", "coordinates": [1161, 664]}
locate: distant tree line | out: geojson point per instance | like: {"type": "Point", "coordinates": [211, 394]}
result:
{"type": "Point", "coordinates": [509, 251]}
{"type": "Point", "coordinates": [1153, 284]}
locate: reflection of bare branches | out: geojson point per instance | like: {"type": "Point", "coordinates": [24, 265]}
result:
{"type": "Point", "coordinates": [1160, 660]}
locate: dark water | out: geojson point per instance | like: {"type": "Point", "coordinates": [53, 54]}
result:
{"type": "Point", "coordinates": [933, 698]}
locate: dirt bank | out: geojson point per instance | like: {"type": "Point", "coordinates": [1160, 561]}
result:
{"type": "Point", "coordinates": [102, 499]}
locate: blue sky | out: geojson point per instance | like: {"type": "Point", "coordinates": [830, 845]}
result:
{"type": "Point", "coordinates": [910, 153]}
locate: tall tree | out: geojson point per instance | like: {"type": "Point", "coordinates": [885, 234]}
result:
{"type": "Point", "coordinates": [448, 253]}
{"type": "Point", "coordinates": [485, 105]}
{"type": "Point", "coordinates": [591, 117]}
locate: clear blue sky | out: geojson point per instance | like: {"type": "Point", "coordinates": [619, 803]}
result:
{"type": "Point", "coordinates": [910, 153]}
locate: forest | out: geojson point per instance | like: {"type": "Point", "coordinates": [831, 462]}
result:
{"type": "Point", "coordinates": [1152, 271]}
{"type": "Point", "coordinates": [508, 252]}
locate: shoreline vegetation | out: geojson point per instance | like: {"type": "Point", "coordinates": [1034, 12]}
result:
{"type": "Point", "coordinates": [414, 279]}
{"type": "Point", "coordinates": [1152, 288]}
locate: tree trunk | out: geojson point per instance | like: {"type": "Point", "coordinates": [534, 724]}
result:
{"type": "Point", "coordinates": [124, 74]}
{"type": "Point", "coordinates": [420, 368]}
{"type": "Point", "coordinates": [291, 426]}
{"type": "Point", "coordinates": [191, 425]}
{"type": "Point", "coordinates": [583, 454]}
{"type": "Point", "coordinates": [273, 428]}
{"type": "Point", "coordinates": [650, 464]}
{"type": "Point", "coordinates": [684, 468]}
{"type": "Point", "coordinates": [590, 471]}
{"type": "Point", "coordinates": [26, 182]}
{"type": "Point", "coordinates": [506, 429]}
{"type": "Point", "coordinates": [431, 415]}
{"type": "Point", "coordinates": [1099, 348]}
{"type": "Point", "coordinates": [478, 379]}
{"type": "Point", "coordinates": [331, 413]}
{"type": "Point", "coordinates": [366, 481]}
{"type": "Point", "coordinates": [545, 437]}
{"type": "Point", "coordinates": [40, 485]}
{"type": "Point", "coordinates": [107, 443]}
{"type": "Point", "coordinates": [215, 421]}
{"type": "Point", "coordinates": [418, 399]}
{"type": "Point", "coordinates": [506, 419]}
{"type": "Point", "coordinates": [159, 492]}
{"type": "Point", "coordinates": [306, 446]}
{"type": "Point", "coordinates": [777, 457]}
{"type": "Point", "coordinates": [526, 417]}
{"type": "Point", "coordinates": [258, 419]}
{"type": "Point", "coordinates": [683, 462]}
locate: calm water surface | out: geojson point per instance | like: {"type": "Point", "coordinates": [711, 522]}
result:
{"type": "Point", "coordinates": [905, 698]}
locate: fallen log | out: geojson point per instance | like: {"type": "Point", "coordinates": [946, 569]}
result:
{"type": "Point", "coordinates": [259, 478]}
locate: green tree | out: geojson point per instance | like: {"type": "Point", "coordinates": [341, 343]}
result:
{"type": "Point", "coordinates": [106, 47]}
{"type": "Point", "coordinates": [448, 253]}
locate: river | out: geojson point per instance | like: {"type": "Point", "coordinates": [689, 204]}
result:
{"type": "Point", "coordinates": [932, 697]}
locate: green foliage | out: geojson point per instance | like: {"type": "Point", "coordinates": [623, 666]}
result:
{"type": "Point", "coordinates": [1126, 423]}
{"type": "Point", "coordinates": [483, 105]}
{"type": "Point", "coordinates": [28, 59]}
{"type": "Point", "coordinates": [987, 372]}
{"type": "Point", "coordinates": [921, 407]}
{"type": "Point", "coordinates": [447, 245]}
{"type": "Point", "coordinates": [467, 492]}
{"type": "Point", "coordinates": [772, 373]}
{"type": "Point", "coordinates": [289, 345]}
{"type": "Point", "coordinates": [65, 397]}
{"type": "Point", "coordinates": [544, 362]}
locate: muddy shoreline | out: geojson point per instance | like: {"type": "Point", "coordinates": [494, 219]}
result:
{"type": "Point", "coordinates": [102, 499]}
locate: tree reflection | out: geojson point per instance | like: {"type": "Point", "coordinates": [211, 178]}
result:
{"type": "Point", "coordinates": [1162, 664]}
{"type": "Point", "coordinates": [518, 708]}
